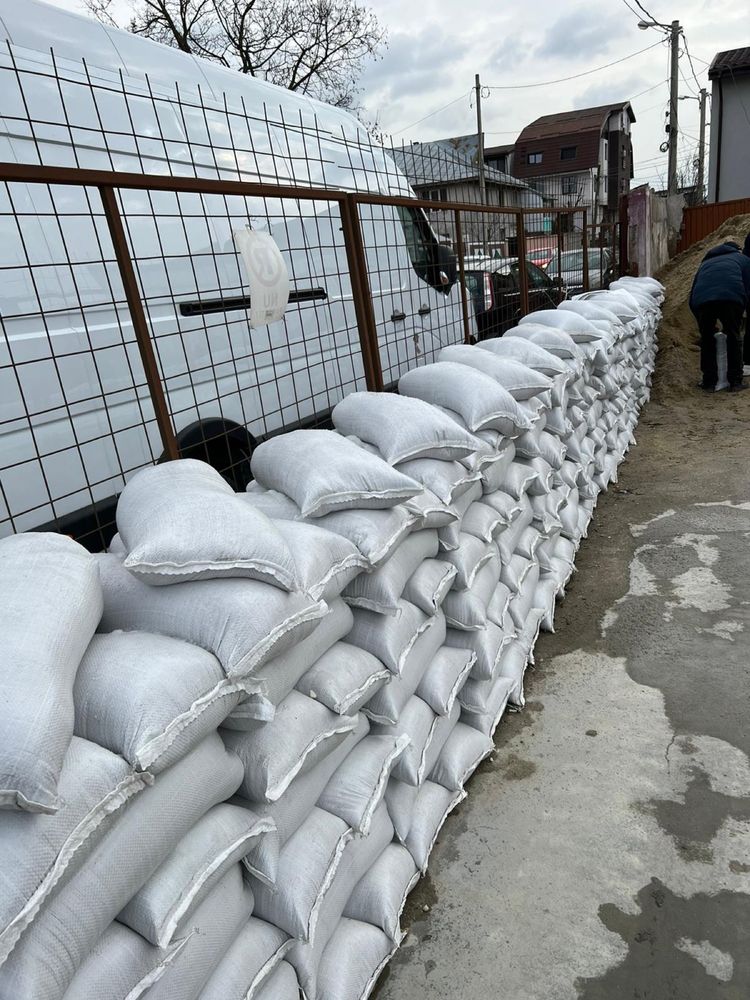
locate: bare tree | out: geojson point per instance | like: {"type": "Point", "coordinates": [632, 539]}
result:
{"type": "Point", "coordinates": [317, 47]}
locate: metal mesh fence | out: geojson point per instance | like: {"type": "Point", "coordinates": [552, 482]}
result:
{"type": "Point", "coordinates": [120, 351]}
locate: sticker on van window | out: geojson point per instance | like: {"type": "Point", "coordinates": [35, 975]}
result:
{"type": "Point", "coordinates": [267, 275]}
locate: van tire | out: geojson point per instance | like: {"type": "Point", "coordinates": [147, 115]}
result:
{"type": "Point", "coordinates": [223, 444]}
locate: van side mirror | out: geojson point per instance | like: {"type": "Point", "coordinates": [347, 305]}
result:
{"type": "Point", "coordinates": [443, 270]}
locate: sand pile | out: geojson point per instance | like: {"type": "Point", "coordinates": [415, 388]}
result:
{"type": "Point", "coordinates": [678, 368]}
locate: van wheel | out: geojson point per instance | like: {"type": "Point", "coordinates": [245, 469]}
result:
{"type": "Point", "coordinates": [223, 444]}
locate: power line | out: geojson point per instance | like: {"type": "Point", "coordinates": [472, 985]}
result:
{"type": "Point", "coordinates": [690, 60]}
{"type": "Point", "coordinates": [437, 111]}
{"type": "Point", "coordinates": [576, 76]}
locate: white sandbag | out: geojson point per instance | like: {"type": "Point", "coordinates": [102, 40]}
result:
{"type": "Point", "coordinates": [380, 895]}
{"type": "Point", "coordinates": [444, 678]}
{"type": "Point", "coordinates": [591, 310]}
{"type": "Point", "coordinates": [400, 427]}
{"type": "Point", "coordinates": [545, 513]}
{"type": "Point", "coordinates": [301, 733]}
{"type": "Point", "coordinates": [352, 961]}
{"type": "Point", "coordinates": [483, 521]}
{"type": "Point", "coordinates": [282, 984]}
{"type": "Point", "coordinates": [150, 698]}
{"type": "Point", "coordinates": [44, 961]}
{"type": "Point", "coordinates": [386, 706]}
{"type": "Point", "coordinates": [417, 722]}
{"type": "Point", "coordinates": [467, 609]}
{"type": "Point", "coordinates": [434, 803]}
{"type": "Point", "coordinates": [248, 963]}
{"type": "Point", "coordinates": [242, 622]}
{"type": "Point", "coordinates": [507, 506]}
{"type": "Point", "coordinates": [444, 726]}
{"type": "Point", "coordinates": [427, 586]}
{"type": "Point", "coordinates": [494, 705]}
{"type": "Point", "coordinates": [50, 606]}
{"type": "Point", "coordinates": [429, 511]}
{"type": "Point", "coordinates": [519, 479]}
{"type": "Point", "coordinates": [323, 472]}
{"type": "Point", "coordinates": [551, 449]}
{"type": "Point", "coordinates": [528, 542]}
{"type": "Point", "coordinates": [577, 327]}
{"type": "Point", "coordinates": [512, 667]}
{"type": "Point", "coordinates": [388, 638]}
{"type": "Point", "coordinates": [486, 644]}
{"type": "Point", "coordinates": [359, 855]}
{"type": "Point", "coordinates": [544, 480]}
{"type": "Point", "coordinates": [161, 910]}
{"type": "Point", "coordinates": [344, 678]}
{"type": "Point", "coordinates": [558, 423]}
{"type": "Point", "coordinates": [464, 751]}
{"type": "Point", "coordinates": [449, 537]}
{"type": "Point", "coordinates": [307, 865]}
{"type": "Point", "coordinates": [401, 800]}
{"type": "Point", "coordinates": [494, 470]}
{"type": "Point", "coordinates": [478, 399]}
{"type": "Point", "coordinates": [499, 604]}
{"type": "Point", "coordinates": [281, 674]}
{"type": "Point", "coordinates": [526, 353]}
{"type": "Point", "coordinates": [182, 521]}
{"type": "Point", "coordinates": [37, 853]}
{"type": "Point", "coordinates": [325, 562]}
{"type": "Point", "coordinates": [376, 533]}
{"type": "Point", "coordinates": [546, 596]}
{"type": "Point", "coordinates": [121, 964]}
{"type": "Point", "coordinates": [522, 602]}
{"type": "Point", "coordinates": [381, 589]}
{"type": "Point", "coordinates": [519, 380]}
{"type": "Point", "coordinates": [514, 571]}
{"type": "Point", "coordinates": [448, 480]}
{"type": "Point", "coordinates": [210, 931]}
{"type": "Point", "coordinates": [290, 811]}
{"type": "Point", "coordinates": [357, 786]}
{"type": "Point", "coordinates": [472, 553]}
{"type": "Point", "coordinates": [557, 342]}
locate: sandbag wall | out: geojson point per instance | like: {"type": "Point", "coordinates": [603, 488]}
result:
{"type": "Point", "coordinates": [230, 743]}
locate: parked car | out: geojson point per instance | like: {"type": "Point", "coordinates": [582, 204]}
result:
{"type": "Point", "coordinates": [133, 105]}
{"type": "Point", "coordinates": [496, 294]}
{"type": "Point", "coordinates": [541, 256]}
{"type": "Point", "coordinates": [571, 268]}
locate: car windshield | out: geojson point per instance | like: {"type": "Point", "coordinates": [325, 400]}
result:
{"type": "Point", "coordinates": [572, 260]}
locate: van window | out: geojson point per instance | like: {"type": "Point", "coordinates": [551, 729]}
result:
{"type": "Point", "coordinates": [420, 243]}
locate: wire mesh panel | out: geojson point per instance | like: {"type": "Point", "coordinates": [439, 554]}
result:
{"type": "Point", "coordinates": [76, 415]}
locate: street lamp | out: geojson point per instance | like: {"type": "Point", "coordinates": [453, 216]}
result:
{"type": "Point", "coordinates": [674, 31]}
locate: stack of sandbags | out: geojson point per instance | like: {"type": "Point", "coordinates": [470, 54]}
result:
{"type": "Point", "coordinates": [116, 768]}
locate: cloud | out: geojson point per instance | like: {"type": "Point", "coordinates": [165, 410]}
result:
{"type": "Point", "coordinates": [412, 65]}
{"type": "Point", "coordinates": [577, 33]}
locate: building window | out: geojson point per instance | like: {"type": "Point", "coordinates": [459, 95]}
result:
{"type": "Point", "coordinates": [533, 158]}
{"type": "Point", "coordinates": [569, 185]}
{"type": "Point", "coordinates": [438, 194]}
{"type": "Point", "coordinates": [606, 184]}
{"type": "Point", "coordinates": [568, 152]}
{"type": "Point", "coordinates": [606, 150]}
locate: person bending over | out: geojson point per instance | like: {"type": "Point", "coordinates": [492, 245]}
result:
{"type": "Point", "coordinates": [721, 293]}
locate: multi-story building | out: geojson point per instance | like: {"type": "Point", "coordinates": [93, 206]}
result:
{"type": "Point", "coordinates": [579, 158]}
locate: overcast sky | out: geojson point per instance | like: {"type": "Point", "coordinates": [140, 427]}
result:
{"type": "Point", "coordinates": [436, 47]}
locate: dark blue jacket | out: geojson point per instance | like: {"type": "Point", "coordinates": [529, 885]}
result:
{"type": "Point", "coordinates": [724, 276]}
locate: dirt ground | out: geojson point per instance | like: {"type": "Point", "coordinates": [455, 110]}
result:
{"type": "Point", "coordinates": [604, 851]}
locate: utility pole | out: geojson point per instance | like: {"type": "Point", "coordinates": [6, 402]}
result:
{"type": "Point", "coordinates": [480, 160]}
{"type": "Point", "coordinates": [702, 145]}
{"type": "Point", "coordinates": [674, 44]}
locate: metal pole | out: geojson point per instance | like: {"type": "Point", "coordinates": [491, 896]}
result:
{"type": "Point", "coordinates": [585, 250]}
{"type": "Point", "coordinates": [462, 277]}
{"type": "Point", "coordinates": [674, 43]}
{"type": "Point", "coordinates": [558, 226]}
{"type": "Point", "coordinates": [355, 255]}
{"type": "Point", "coordinates": [480, 156]}
{"type": "Point", "coordinates": [523, 274]}
{"type": "Point", "coordinates": [702, 146]}
{"type": "Point", "coordinates": [140, 325]}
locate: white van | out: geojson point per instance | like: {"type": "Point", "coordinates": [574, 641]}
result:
{"type": "Point", "coordinates": [75, 412]}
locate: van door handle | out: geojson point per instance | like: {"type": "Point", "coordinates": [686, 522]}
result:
{"type": "Point", "coordinates": [397, 316]}
{"type": "Point", "coordinates": [424, 311]}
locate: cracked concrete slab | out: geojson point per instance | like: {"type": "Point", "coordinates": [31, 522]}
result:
{"type": "Point", "coordinates": [604, 851]}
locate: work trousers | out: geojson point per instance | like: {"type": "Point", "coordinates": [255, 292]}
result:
{"type": "Point", "coordinates": [729, 314]}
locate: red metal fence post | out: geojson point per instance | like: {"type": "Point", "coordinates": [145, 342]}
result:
{"type": "Point", "coordinates": [523, 274]}
{"type": "Point", "coordinates": [462, 276]}
{"type": "Point", "coordinates": [585, 250]}
{"type": "Point", "coordinates": [140, 325]}
{"type": "Point", "coordinates": [355, 254]}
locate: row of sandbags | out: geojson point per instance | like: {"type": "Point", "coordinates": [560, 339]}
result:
{"type": "Point", "coordinates": [230, 743]}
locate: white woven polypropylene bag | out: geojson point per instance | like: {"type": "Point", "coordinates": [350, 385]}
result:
{"type": "Point", "coordinates": [50, 606]}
